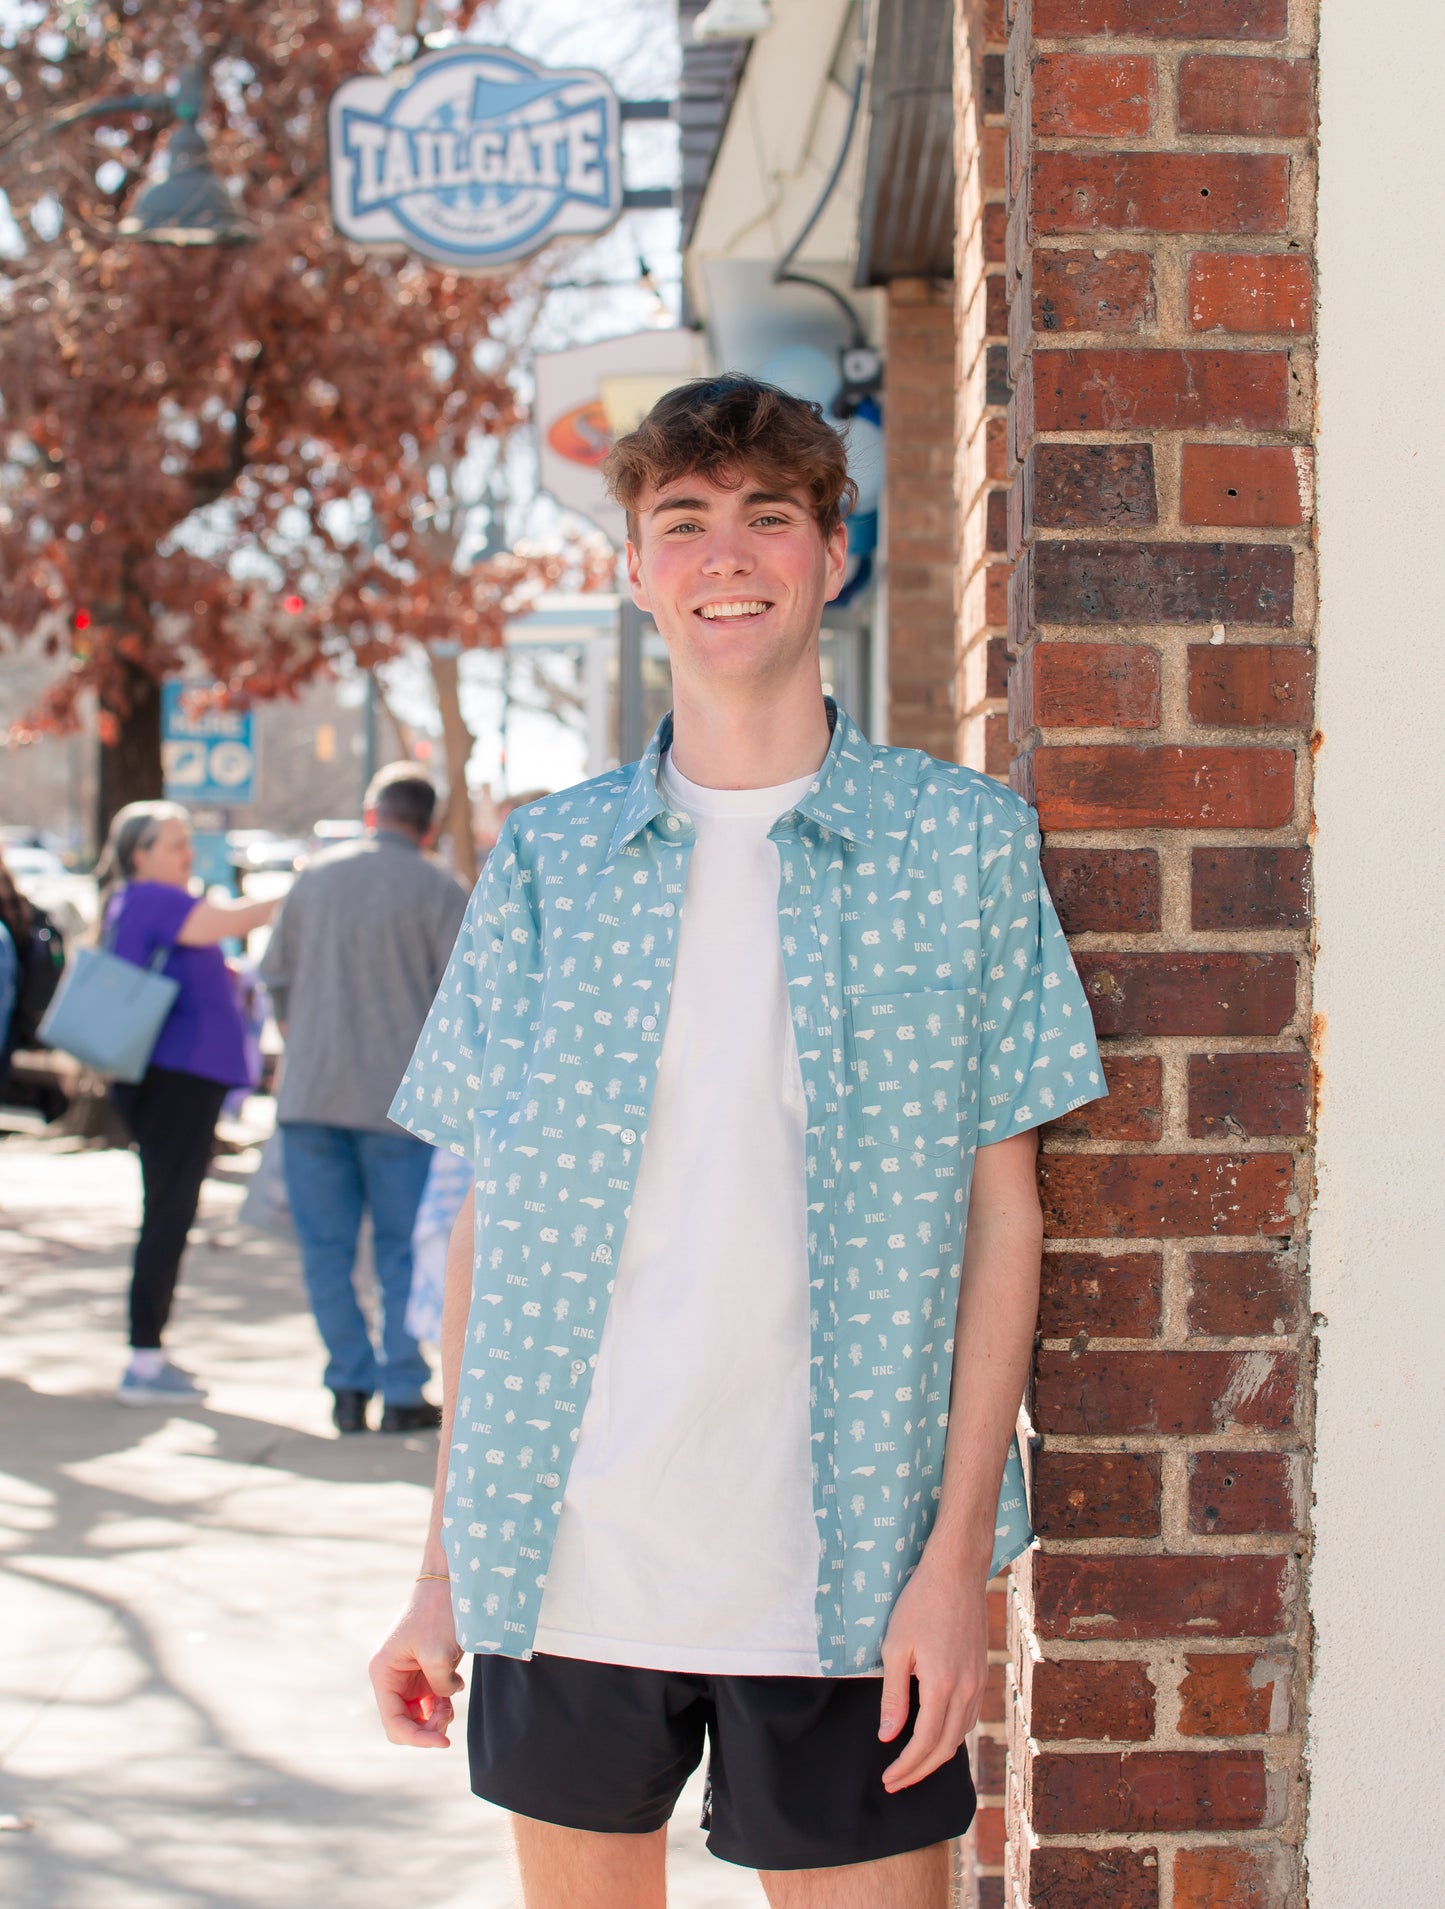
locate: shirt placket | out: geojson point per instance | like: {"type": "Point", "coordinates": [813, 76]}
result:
{"type": "Point", "coordinates": [804, 855]}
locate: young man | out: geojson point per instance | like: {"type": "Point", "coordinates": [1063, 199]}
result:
{"type": "Point", "coordinates": [352, 965]}
{"type": "Point", "coordinates": [737, 1037]}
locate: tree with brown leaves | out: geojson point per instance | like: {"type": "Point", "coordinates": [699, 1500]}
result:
{"type": "Point", "coordinates": [243, 456]}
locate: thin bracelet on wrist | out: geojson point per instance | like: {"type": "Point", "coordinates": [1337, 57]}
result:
{"type": "Point", "coordinates": [442, 1577]}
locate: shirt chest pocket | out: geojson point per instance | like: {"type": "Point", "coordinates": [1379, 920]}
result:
{"type": "Point", "coordinates": [906, 1057]}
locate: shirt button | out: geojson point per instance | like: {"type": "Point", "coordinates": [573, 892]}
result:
{"type": "Point", "coordinates": [549, 1479]}
{"type": "Point", "coordinates": [673, 823]}
{"type": "Point", "coordinates": [627, 1136]}
{"type": "Point", "coordinates": [579, 1365]}
{"type": "Point", "coordinates": [649, 1021]}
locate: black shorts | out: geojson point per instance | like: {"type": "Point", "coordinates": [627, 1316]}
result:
{"type": "Point", "coordinates": [795, 1766]}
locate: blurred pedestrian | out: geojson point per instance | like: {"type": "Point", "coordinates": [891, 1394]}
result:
{"type": "Point", "coordinates": [353, 963]}
{"type": "Point", "coordinates": [14, 940]}
{"type": "Point", "coordinates": [200, 1055]}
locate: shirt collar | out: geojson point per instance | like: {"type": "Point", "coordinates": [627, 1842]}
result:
{"type": "Point", "coordinates": [840, 798]}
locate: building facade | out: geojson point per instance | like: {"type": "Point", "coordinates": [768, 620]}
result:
{"type": "Point", "coordinates": [1158, 542]}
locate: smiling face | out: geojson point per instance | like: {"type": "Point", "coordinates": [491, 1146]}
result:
{"type": "Point", "coordinates": [169, 857]}
{"type": "Point", "coordinates": [735, 577]}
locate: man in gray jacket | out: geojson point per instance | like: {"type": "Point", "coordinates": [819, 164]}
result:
{"type": "Point", "coordinates": [354, 960]}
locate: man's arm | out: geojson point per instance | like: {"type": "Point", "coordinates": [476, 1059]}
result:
{"type": "Point", "coordinates": [414, 1674]}
{"type": "Point", "coordinates": [938, 1632]}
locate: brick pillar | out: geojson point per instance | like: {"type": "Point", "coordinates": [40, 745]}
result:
{"type": "Point", "coordinates": [918, 406]}
{"type": "Point", "coordinates": [981, 467]}
{"type": "Point", "coordinates": [1160, 235]}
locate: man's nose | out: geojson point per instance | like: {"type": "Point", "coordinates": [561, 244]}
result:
{"type": "Point", "coordinates": [725, 554]}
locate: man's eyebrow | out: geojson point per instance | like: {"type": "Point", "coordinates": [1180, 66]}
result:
{"type": "Point", "coordinates": [773, 497]}
{"type": "Point", "coordinates": [677, 503]}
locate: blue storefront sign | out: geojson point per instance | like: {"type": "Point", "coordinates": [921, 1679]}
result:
{"type": "Point", "coordinates": [209, 755]}
{"type": "Point", "coordinates": [475, 157]}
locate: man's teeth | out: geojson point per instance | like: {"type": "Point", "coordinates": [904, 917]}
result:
{"type": "Point", "coordinates": [732, 609]}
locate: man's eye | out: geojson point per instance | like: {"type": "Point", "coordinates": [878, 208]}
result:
{"type": "Point", "coordinates": [684, 525]}
{"type": "Point", "coordinates": [771, 518]}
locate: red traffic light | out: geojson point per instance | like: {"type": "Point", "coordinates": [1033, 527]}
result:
{"type": "Point", "coordinates": [82, 619]}
{"type": "Point", "coordinates": [293, 604]}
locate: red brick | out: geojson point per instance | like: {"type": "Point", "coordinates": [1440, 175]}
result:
{"type": "Point", "coordinates": [1104, 890]}
{"type": "Point", "coordinates": [1064, 1878]}
{"type": "Point", "coordinates": [1234, 1878]}
{"type": "Point", "coordinates": [1086, 686]}
{"type": "Point", "coordinates": [989, 1772]}
{"type": "Point", "coordinates": [997, 667]}
{"type": "Point", "coordinates": [1240, 485]}
{"type": "Point", "coordinates": [1102, 388]}
{"type": "Point", "coordinates": [1243, 1295]}
{"type": "Point", "coordinates": [1076, 1792]}
{"type": "Point", "coordinates": [1211, 1595]}
{"type": "Point", "coordinates": [1098, 1393]}
{"type": "Point", "coordinates": [997, 752]}
{"type": "Point", "coordinates": [1242, 1493]}
{"type": "Point", "coordinates": [1134, 1109]}
{"type": "Point", "coordinates": [1078, 291]}
{"type": "Point", "coordinates": [1170, 993]}
{"type": "Point", "coordinates": [996, 1611]}
{"type": "Point", "coordinates": [1088, 487]}
{"type": "Point", "coordinates": [1089, 583]}
{"type": "Point", "coordinates": [1096, 1495]}
{"type": "Point", "coordinates": [1166, 1195]}
{"type": "Point", "coordinates": [991, 1708]}
{"type": "Point", "coordinates": [1162, 19]}
{"type": "Point", "coordinates": [1107, 1296]}
{"type": "Point", "coordinates": [1251, 685]}
{"type": "Point", "coordinates": [1249, 888]}
{"type": "Point", "coordinates": [989, 1836]}
{"type": "Point", "coordinates": [992, 94]}
{"type": "Point", "coordinates": [1107, 1702]}
{"type": "Point", "coordinates": [1240, 1096]}
{"type": "Point", "coordinates": [995, 232]}
{"type": "Point", "coordinates": [1093, 94]}
{"type": "Point", "coordinates": [1224, 192]}
{"type": "Point", "coordinates": [1100, 786]}
{"type": "Point", "coordinates": [1220, 93]}
{"type": "Point", "coordinates": [1250, 291]}
{"type": "Point", "coordinates": [1234, 1696]}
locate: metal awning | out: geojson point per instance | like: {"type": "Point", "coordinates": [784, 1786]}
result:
{"type": "Point", "coordinates": [905, 225]}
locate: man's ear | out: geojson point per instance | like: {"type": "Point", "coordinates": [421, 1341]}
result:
{"type": "Point", "coordinates": [835, 549]}
{"type": "Point", "coordinates": [634, 578]}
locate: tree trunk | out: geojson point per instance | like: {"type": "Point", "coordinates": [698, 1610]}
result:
{"type": "Point", "coordinates": [130, 767]}
{"type": "Point", "coordinates": [458, 743]}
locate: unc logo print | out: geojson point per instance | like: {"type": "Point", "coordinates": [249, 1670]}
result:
{"type": "Point", "coordinates": [475, 157]}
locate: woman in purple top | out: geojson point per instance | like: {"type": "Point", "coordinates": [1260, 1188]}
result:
{"type": "Point", "coordinates": [200, 1056]}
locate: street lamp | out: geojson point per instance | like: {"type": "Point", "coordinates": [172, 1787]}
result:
{"type": "Point", "coordinates": [189, 206]}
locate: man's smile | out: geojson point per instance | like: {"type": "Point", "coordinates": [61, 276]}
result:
{"type": "Point", "coordinates": [734, 609]}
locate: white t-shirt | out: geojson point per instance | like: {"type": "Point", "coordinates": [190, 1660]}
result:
{"type": "Point", "coordinates": [687, 1539]}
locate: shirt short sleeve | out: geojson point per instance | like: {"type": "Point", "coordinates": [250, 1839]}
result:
{"type": "Point", "coordinates": [149, 916]}
{"type": "Point", "coordinates": [444, 1076]}
{"type": "Point", "coordinates": [1039, 1057]}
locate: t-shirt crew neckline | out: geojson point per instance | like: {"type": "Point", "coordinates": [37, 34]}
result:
{"type": "Point", "coordinates": [743, 804]}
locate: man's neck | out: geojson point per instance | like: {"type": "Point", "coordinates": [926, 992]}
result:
{"type": "Point", "coordinates": [750, 742]}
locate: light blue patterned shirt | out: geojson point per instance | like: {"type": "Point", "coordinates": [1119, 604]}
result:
{"type": "Point", "coordinates": [936, 1009]}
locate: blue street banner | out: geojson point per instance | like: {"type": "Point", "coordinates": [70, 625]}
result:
{"type": "Point", "coordinates": [208, 754]}
{"type": "Point", "coordinates": [475, 157]}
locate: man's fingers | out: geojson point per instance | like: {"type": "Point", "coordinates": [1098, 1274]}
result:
{"type": "Point", "coordinates": [897, 1680]}
{"type": "Point", "coordinates": [918, 1757]}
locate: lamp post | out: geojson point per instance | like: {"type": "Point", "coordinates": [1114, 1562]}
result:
{"type": "Point", "coordinates": [189, 206]}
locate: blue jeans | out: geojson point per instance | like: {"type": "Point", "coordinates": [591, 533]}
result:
{"type": "Point", "coordinates": [332, 1173]}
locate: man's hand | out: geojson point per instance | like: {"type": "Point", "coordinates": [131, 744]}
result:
{"type": "Point", "coordinates": [414, 1674]}
{"type": "Point", "coordinates": [939, 1634]}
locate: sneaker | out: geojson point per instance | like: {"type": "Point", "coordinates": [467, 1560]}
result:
{"type": "Point", "coordinates": [169, 1386]}
{"type": "Point", "coordinates": [423, 1416]}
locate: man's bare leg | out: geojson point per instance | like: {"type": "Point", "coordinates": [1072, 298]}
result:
{"type": "Point", "coordinates": [920, 1880]}
{"type": "Point", "coordinates": [580, 1869]}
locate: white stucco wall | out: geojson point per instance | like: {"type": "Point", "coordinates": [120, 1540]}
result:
{"type": "Point", "coordinates": [1377, 1746]}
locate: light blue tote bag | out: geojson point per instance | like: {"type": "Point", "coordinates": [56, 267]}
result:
{"type": "Point", "coordinates": [108, 1013]}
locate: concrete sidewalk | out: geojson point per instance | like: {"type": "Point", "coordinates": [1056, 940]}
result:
{"type": "Point", "coordinates": [190, 1596]}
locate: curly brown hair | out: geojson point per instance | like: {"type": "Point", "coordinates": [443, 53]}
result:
{"type": "Point", "coordinates": [729, 429]}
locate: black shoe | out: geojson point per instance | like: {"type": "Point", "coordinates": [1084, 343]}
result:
{"type": "Point", "coordinates": [348, 1410]}
{"type": "Point", "coordinates": [421, 1417]}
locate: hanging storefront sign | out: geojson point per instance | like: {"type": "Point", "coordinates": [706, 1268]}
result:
{"type": "Point", "coordinates": [475, 157]}
{"type": "Point", "coordinates": [592, 393]}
